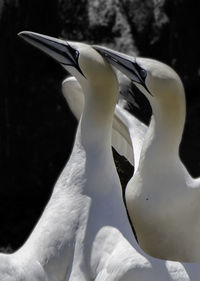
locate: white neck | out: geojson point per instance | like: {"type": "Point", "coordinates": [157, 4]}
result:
{"type": "Point", "coordinates": [95, 127]}
{"type": "Point", "coordinates": [93, 142]}
{"type": "Point", "coordinates": [165, 131]}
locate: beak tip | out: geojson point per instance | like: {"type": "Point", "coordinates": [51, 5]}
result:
{"type": "Point", "coordinates": [20, 34]}
{"type": "Point", "coordinates": [24, 34]}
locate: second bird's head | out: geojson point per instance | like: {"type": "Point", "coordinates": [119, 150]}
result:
{"type": "Point", "coordinates": [156, 80]}
{"type": "Point", "coordinates": [90, 69]}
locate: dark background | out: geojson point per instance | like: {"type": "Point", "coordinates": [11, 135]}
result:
{"type": "Point", "coordinates": [36, 126]}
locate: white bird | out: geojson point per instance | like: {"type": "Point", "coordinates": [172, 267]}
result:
{"type": "Point", "coordinates": [81, 234]}
{"type": "Point", "coordinates": [72, 239]}
{"type": "Point", "coordinates": [130, 263]}
{"type": "Point", "coordinates": [162, 197]}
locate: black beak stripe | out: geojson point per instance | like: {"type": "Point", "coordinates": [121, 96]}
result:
{"type": "Point", "coordinates": [68, 55]}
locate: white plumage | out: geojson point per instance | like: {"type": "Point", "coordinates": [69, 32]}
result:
{"type": "Point", "coordinates": [84, 231]}
{"type": "Point", "coordinates": [128, 262]}
{"type": "Point", "coordinates": [162, 198]}
{"type": "Point", "coordinates": [127, 131]}
{"type": "Point", "coordinates": [85, 223]}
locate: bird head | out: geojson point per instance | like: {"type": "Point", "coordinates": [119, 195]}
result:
{"type": "Point", "coordinates": [79, 59]}
{"type": "Point", "coordinates": [154, 79]}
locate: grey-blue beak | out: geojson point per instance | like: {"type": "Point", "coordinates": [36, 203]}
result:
{"type": "Point", "coordinates": [58, 49]}
{"type": "Point", "coordinates": [126, 64]}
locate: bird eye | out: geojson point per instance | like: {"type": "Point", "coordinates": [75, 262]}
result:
{"type": "Point", "coordinates": [143, 73]}
{"type": "Point", "coordinates": [77, 54]}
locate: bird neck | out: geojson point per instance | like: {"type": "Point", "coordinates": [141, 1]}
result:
{"type": "Point", "coordinates": [165, 131]}
{"type": "Point", "coordinates": [95, 127]}
{"type": "Point", "coordinates": [93, 139]}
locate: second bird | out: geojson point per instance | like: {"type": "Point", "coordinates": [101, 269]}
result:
{"type": "Point", "coordinates": [162, 197]}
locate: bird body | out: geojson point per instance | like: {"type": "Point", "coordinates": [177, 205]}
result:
{"type": "Point", "coordinates": [86, 204]}
{"type": "Point", "coordinates": [117, 259]}
{"type": "Point", "coordinates": [162, 198]}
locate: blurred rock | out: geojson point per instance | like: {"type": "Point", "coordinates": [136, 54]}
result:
{"type": "Point", "coordinates": [109, 25]}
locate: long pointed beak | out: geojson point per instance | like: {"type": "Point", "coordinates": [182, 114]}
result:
{"type": "Point", "coordinates": [58, 49]}
{"type": "Point", "coordinates": [126, 64]}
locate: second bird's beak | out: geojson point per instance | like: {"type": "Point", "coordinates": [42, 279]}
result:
{"type": "Point", "coordinates": [58, 49]}
{"type": "Point", "coordinates": [126, 64]}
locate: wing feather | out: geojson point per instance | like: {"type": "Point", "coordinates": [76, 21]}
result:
{"type": "Point", "coordinates": [128, 132]}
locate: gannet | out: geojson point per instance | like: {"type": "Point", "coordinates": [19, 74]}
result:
{"type": "Point", "coordinates": [74, 240]}
{"type": "Point", "coordinates": [129, 262]}
{"type": "Point", "coordinates": [162, 197]}
{"type": "Point", "coordinates": [84, 232]}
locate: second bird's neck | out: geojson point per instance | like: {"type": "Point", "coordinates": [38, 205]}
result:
{"type": "Point", "coordinates": [164, 134]}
